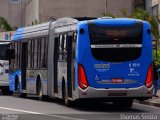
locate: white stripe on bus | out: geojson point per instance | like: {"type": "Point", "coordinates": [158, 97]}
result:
{"type": "Point", "coordinates": [117, 46]}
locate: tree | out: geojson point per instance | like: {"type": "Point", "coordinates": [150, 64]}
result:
{"type": "Point", "coordinates": [124, 12]}
{"type": "Point", "coordinates": [4, 25]}
{"type": "Point", "coordinates": [153, 20]}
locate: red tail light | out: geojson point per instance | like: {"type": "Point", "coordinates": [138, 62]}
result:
{"type": "Point", "coordinates": [149, 78]}
{"type": "Point", "coordinates": [1, 65]}
{"type": "Point", "coordinates": [82, 80]}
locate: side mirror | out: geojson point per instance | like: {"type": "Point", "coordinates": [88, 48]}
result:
{"type": "Point", "coordinates": [10, 54]}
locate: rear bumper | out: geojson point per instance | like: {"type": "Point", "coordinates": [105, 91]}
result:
{"type": "Point", "coordinates": [136, 93]}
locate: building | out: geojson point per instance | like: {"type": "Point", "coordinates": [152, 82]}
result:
{"type": "Point", "coordinates": [12, 10]}
{"type": "Point", "coordinates": [27, 12]}
{"type": "Point", "coordinates": [140, 4]}
{"type": "Point", "coordinates": [153, 7]}
{"type": "Point", "coordinates": [37, 11]}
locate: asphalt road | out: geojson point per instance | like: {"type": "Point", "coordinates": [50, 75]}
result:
{"type": "Point", "coordinates": [14, 108]}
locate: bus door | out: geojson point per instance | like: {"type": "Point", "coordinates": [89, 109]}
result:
{"type": "Point", "coordinates": [69, 64]}
{"type": "Point", "coordinates": [24, 64]}
{"type": "Point", "coordinates": [56, 51]}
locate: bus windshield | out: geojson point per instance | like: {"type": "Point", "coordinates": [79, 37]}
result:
{"type": "Point", "coordinates": [3, 48]}
{"type": "Point", "coordinates": [116, 43]}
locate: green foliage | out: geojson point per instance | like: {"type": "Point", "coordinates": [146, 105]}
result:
{"type": "Point", "coordinates": [153, 20]}
{"type": "Point", "coordinates": [156, 56]}
{"type": "Point", "coordinates": [140, 14]}
{"type": "Point", "coordinates": [124, 12]}
{"type": "Point", "coordinates": [4, 25]}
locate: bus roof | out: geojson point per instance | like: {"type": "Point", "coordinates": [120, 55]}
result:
{"type": "Point", "coordinates": [38, 30]}
{"type": "Point", "coordinates": [43, 29]}
{"type": "Point", "coordinates": [115, 21]}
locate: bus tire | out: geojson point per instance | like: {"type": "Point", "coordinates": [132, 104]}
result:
{"type": "Point", "coordinates": [123, 103]}
{"type": "Point", "coordinates": [41, 97]}
{"type": "Point", "coordinates": [19, 94]}
{"type": "Point", "coordinates": [6, 91]}
{"type": "Point", "coordinates": [67, 102]}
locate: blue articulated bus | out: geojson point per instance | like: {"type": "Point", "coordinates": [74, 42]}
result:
{"type": "Point", "coordinates": [100, 59]}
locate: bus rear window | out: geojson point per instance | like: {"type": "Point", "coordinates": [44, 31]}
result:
{"type": "Point", "coordinates": [116, 43]}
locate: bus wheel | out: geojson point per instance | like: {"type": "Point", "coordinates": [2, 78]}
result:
{"type": "Point", "coordinates": [41, 97]}
{"type": "Point", "coordinates": [123, 103]}
{"type": "Point", "coordinates": [19, 93]}
{"type": "Point", "coordinates": [6, 91]}
{"type": "Point", "coordinates": [67, 102]}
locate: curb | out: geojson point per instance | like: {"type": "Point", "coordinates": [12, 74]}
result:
{"type": "Point", "coordinates": [151, 103]}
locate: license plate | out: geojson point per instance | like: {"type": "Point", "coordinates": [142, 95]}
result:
{"type": "Point", "coordinates": [117, 80]}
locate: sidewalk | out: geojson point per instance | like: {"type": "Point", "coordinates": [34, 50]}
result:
{"type": "Point", "coordinates": [153, 102]}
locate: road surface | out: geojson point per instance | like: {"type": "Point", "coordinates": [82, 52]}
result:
{"type": "Point", "coordinates": [15, 108]}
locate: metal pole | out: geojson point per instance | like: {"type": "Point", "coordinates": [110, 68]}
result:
{"type": "Point", "coordinates": [105, 7]}
{"type": "Point", "coordinates": [156, 48]}
{"type": "Point", "coordinates": [132, 5]}
{"type": "Point", "coordinates": [158, 30]}
{"type": "Point", "coordinates": [21, 11]}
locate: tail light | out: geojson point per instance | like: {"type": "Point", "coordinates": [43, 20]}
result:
{"type": "Point", "coordinates": [149, 78]}
{"type": "Point", "coordinates": [82, 79]}
{"type": "Point", "coordinates": [1, 65]}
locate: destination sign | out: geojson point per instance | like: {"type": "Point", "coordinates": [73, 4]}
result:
{"type": "Point", "coordinates": [116, 33]}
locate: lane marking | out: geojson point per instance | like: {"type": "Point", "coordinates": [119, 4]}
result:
{"type": "Point", "coordinates": [38, 113]}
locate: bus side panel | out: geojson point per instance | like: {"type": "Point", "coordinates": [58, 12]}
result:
{"type": "Point", "coordinates": [147, 40]}
{"type": "Point", "coordinates": [81, 47]}
{"type": "Point", "coordinates": [32, 81]}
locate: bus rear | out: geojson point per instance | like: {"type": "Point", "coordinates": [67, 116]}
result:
{"type": "Point", "coordinates": [4, 67]}
{"type": "Point", "coordinates": [114, 59]}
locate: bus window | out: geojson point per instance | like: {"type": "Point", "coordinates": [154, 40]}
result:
{"type": "Point", "coordinates": [44, 48]}
{"type": "Point", "coordinates": [42, 53]}
{"type": "Point", "coordinates": [35, 53]}
{"type": "Point", "coordinates": [46, 51]}
{"type": "Point", "coordinates": [65, 39]}
{"type": "Point", "coordinates": [64, 48]}
{"type": "Point", "coordinates": [39, 53]}
{"type": "Point", "coordinates": [60, 48]}
{"type": "Point", "coordinates": [3, 48]}
{"type": "Point", "coordinates": [19, 54]}
{"type": "Point", "coordinates": [29, 53]}
{"type": "Point", "coordinates": [116, 44]}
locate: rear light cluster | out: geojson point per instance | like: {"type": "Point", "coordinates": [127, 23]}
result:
{"type": "Point", "coordinates": [149, 78]}
{"type": "Point", "coordinates": [82, 79]}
